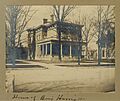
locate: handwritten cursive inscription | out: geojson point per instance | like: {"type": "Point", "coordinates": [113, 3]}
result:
{"type": "Point", "coordinates": [60, 97]}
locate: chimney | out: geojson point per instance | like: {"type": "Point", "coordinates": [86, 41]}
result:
{"type": "Point", "coordinates": [45, 21]}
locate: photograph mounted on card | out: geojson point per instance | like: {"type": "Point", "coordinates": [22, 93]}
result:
{"type": "Point", "coordinates": [66, 48]}
{"type": "Point", "coordinates": [59, 51]}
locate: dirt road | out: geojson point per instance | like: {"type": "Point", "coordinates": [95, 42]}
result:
{"type": "Point", "coordinates": [82, 79]}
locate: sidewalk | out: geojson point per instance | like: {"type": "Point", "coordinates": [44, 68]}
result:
{"type": "Point", "coordinates": [69, 64]}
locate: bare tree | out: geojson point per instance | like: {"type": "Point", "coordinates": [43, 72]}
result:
{"type": "Point", "coordinates": [109, 28]}
{"type": "Point", "coordinates": [97, 26]}
{"type": "Point", "coordinates": [103, 25]}
{"type": "Point", "coordinates": [60, 13]}
{"type": "Point", "coordinates": [88, 31]}
{"type": "Point", "coordinates": [17, 17]}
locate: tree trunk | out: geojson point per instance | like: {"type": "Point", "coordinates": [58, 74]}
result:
{"type": "Point", "coordinates": [13, 33]}
{"type": "Point", "coordinates": [79, 47]}
{"type": "Point", "coordinates": [107, 46]}
{"type": "Point", "coordinates": [99, 53]}
{"type": "Point", "coordinates": [59, 37]}
{"type": "Point", "coordinates": [99, 37]}
{"type": "Point", "coordinates": [79, 52]}
{"type": "Point", "coordinates": [34, 45]}
{"type": "Point", "coordinates": [29, 46]}
{"type": "Point", "coordinates": [86, 50]}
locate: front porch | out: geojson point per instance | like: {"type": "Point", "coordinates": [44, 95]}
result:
{"type": "Point", "coordinates": [49, 50]}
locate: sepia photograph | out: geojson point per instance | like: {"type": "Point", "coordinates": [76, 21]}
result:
{"type": "Point", "coordinates": [60, 48]}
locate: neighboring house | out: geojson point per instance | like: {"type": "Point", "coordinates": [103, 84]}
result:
{"type": "Point", "coordinates": [108, 43]}
{"type": "Point", "coordinates": [107, 46]}
{"type": "Point", "coordinates": [43, 41]}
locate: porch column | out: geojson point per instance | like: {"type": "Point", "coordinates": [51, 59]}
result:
{"type": "Point", "coordinates": [46, 49]}
{"type": "Point", "coordinates": [36, 53]}
{"type": "Point", "coordinates": [50, 49]}
{"type": "Point", "coordinates": [105, 52]}
{"type": "Point", "coordinates": [43, 49]}
{"type": "Point", "coordinates": [40, 53]}
{"type": "Point", "coordinates": [70, 50]}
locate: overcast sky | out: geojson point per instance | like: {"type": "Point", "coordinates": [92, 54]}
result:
{"type": "Point", "coordinates": [46, 11]}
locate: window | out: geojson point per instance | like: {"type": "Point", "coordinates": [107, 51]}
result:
{"type": "Point", "coordinates": [55, 49]}
{"type": "Point", "coordinates": [44, 48]}
{"type": "Point", "coordinates": [48, 48]}
{"type": "Point", "coordinates": [41, 49]}
{"type": "Point", "coordinates": [74, 50]}
{"type": "Point", "coordinates": [103, 53]}
{"type": "Point", "coordinates": [66, 49]}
